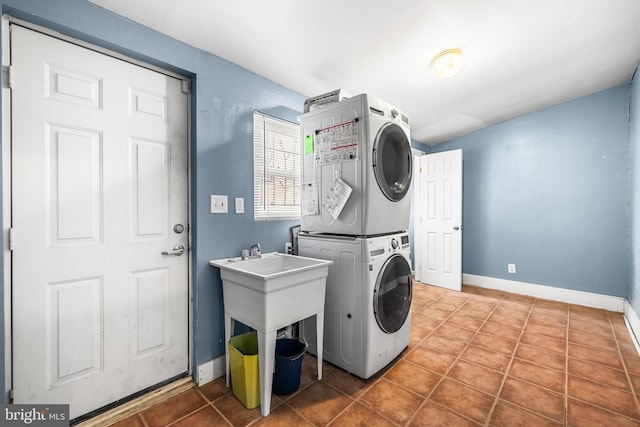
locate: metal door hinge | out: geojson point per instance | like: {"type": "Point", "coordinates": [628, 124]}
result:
{"type": "Point", "coordinates": [185, 86]}
{"type": "Point", "coordinates": [11, 396]}
{"type": "Point", "coordinates": [9, 76]}
{"type": "Point", "coordinates": [10, 239]}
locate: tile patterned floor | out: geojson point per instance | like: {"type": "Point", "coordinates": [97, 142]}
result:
{"type": "Point", "coordinates": [476, 358]}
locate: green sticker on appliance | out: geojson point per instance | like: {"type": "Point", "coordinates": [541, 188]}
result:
{"type": "Point", "coordinates": [308, 145]}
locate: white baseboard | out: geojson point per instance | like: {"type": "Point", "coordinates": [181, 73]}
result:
{"type": "Point", "coordinates": [605, 302]}
{"type": "Point", "coordinates": [633, 323]}
{"type": "Point", "coordinates": [211, 370]}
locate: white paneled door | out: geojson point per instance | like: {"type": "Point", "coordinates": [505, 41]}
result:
{"type": "Point", "coordinates": [99, 186]}
{"type": "Point", "coordinates": [439, 228]}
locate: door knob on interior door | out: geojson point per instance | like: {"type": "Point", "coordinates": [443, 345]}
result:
{"type": "Point", "coordinates": [455, 227]}
{"type": "Point", "coordinates": [177, 251]}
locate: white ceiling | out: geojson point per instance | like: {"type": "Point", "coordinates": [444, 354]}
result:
{"type": "Point", "coordinates": [519, 56]}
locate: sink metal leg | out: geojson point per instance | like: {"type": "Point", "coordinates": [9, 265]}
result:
{"type": "Point", "coordinates": [319, 340]}
{"type": "Point", "coordinates": [228, 323]}
{"type": "Point", "coordinates": [266, 358]}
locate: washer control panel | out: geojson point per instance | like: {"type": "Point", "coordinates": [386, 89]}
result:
{"type": "Point", "coordinates": [394, 244]}
{"type": "Point", "coordinates": [388, 244]}
{"type": "Point", "coordinates": [405, 241]}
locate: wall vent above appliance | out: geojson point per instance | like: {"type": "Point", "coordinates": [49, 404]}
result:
{"type": "Point", "coordinates": [325, 99]}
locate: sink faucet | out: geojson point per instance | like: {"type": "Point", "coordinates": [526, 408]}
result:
{"type": "Point", "coordinates": [254, 250]}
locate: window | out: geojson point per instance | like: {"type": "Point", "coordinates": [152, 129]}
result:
{"type": "Point", "coordinates": [276, 168]}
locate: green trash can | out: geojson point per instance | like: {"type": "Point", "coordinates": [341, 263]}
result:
{"type": "Point", "coordinates": [286, 378]}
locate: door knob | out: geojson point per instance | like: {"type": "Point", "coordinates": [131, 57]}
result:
{"type": "Point", "coordinates": [177, 251]}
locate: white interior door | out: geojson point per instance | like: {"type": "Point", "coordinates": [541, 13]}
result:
{"type": "Point", "coordinates": [99, 180]}
{"type": "Point", "coordinates": [439, 220]}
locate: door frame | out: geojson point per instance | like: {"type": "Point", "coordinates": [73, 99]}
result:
{"type": "Point", "coordinates": [416, 249]}
{"type": "Point", "coordinates": [187, 83]}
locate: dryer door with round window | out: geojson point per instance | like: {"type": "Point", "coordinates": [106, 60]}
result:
{"type": "Point", "coordinates": [392, 161]}
{"type": "Point", "coordinates": [392, 294]}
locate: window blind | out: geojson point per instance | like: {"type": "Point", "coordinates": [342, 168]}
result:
{"type": "Point", "coordinates": [276, 168]}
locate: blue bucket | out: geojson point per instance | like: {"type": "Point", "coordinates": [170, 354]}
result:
{"type": "Point", "coordinates": [286, 378]}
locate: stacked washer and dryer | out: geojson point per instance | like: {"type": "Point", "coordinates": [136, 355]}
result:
{"type": "Point", "coordinates": [357, 169]}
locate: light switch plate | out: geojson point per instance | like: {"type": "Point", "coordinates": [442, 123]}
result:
{"type": "Point", "coordinates": [219, 204]}
{"type": "Point", "coordinates": [239, 205]}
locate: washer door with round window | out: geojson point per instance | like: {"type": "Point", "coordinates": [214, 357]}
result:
{"type": "Point", "coordinates": [392, 294]}
{"type": "Point", "coordinates": [392, 161]}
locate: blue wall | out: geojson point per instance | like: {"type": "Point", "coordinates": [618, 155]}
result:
{"type": "Point", "coordinates": [548, 192]}
{"type": "Point", "coordinates": [224, 98]}
{"type": "Point", "coordinates": [634, 199]}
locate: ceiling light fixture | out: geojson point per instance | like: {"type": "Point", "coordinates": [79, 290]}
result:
{"type": "Point", "coordinates": [447, 63]}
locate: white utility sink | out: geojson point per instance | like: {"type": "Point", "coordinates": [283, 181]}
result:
{"type": "Point", "coordinates": [271, 271]}
{"type": "Point", "coordinates": [269, 293]}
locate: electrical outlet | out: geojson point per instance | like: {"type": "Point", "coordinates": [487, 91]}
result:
{"type": "Point", "coordinates": [511, 268]}
{"type": "Point", "coordinates": [288, 249]}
